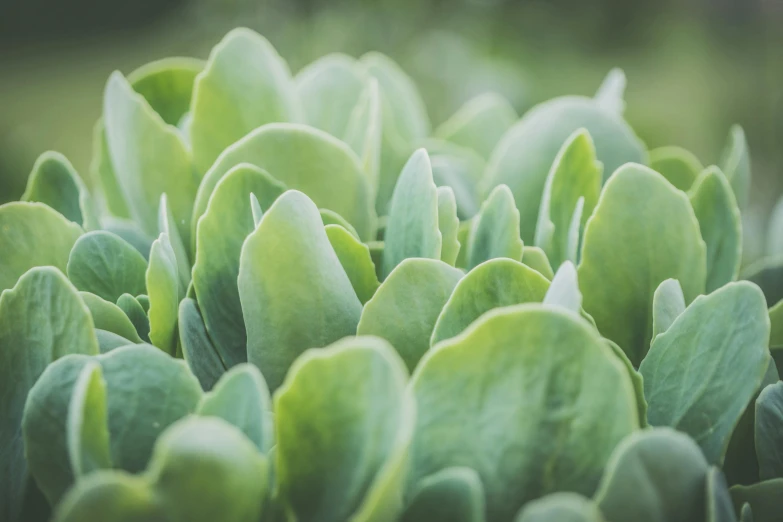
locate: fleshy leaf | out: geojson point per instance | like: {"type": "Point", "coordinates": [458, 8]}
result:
{"type": "Point", "coordinates": [365, 131]}
{"type": "Point", "coordinates": [769, 432]}
{"type": "Point", "coordinates": [413, 295]}
{"type": "Point", "coordinates": [529, 355]}
{"type": "Point", "coordinates": [130, 233]}
{"type": "Point", "coordinates": [479, 124]}
{"type": "Point", "coordinates": [727, 358]}
{"type": "Point", "coordinates": [412, 227]}
{"type": "Point", "coordinates": [560, 507]}
{"type": "Point", "coordinates": [329, 89]}
{"type": "Point", "coordinates": [135, 312]}
{"type": "Point", "coordinates": [668, 304]}
{"type": "Point", "coordinates": [451, 495]}
{"type": "Point", "coordinates": [42, 318]}
{"type": "Point", "coordinates": [352, 466]}
{"type": "Point", "coordinates": [656, 475]}
{"type": "Point", "coordinates": [54, 182]}
{"type": "Point", "coordinates": [87, 429]}
{"type": "Point", "coordinates": [32, 234]}
{"type": "Point", "coordinates": [162, 285]}
{"type": "Point", "coordinates": [245, 84]}
{"type": "Point", "coordinates": [536, 259]}
{"type": "Point", "coordinates": [721, 227]}
{"type": "Point", "coordinates": [718, 500]}
{"type": "Point", "coordinates": [768, 274]}
{"type": "Point", "coordinates": [197, 347]}
{"type": "Point", "coordinates": [494, 284]}
{"type": "Point", "coordinates": [735, 163]}
{"type": "Point", "coordinates": [524, 156]}
{"type": "Point", "coordinates": [284, 264]}
{"type": "Point", "coordinates": [677, 165]}
{"type": "Point", "coordinates": [221, 231]}
{"type": "Point", "coordinates": [166, 225]}
{"type": "Point", "coordinates": [355, 259]}
{"type": "Point", "coordinates": [330, 217]}
{"type": "Point", "coordinates": [763, 498]}
{"type": "Point", "coordinates": [301, 158]}
{"type": "Point", "coordinates": [103, 264]}
{"type": "Point", "coordinates": [110, 317]}
{"type": "Point", "coordinates": [611, 92]}
{"type": "Point", "coordinates": [495, 230]}
{"type": "Point", "coordinates": [448, 224]}
{"type": "Point", "coordinates": [564, 290]}
{"type": "Point", "coordinates": [575, 175]}
{"type": "Point", "coordinates": [149, 158]}
{"type": "Point", "coordinates": [460, 169]}
{"type": "Point", "coordinates": [241, 398]}
{"type": "Point", "coordinates": [642, 232]}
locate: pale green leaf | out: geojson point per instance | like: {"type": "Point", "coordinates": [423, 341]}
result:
{"type": "Point", "coordinates": [451, 495]}
{"type": "Point", "coordinates": [668, 304]}
{"type": "Point", "coordinates": [677, 165]}
{"type": "Point", "coordinates": [735, 163]}
{"type": "Point", "coordinates": [448, 224]}
{"type": "Point", "coordinates": [564, 289]}
{"type": "Point", "coordinates": [769, 432]}
{"type": "Point", "coordinates": [479, 124]}
{"type": "Point", "coordinates": [162, 285]}
{"type": "Point", "coordinates": [87, 429]}
{"type": "Point", "coordinates": [560, 507]}
{"type": "Point", "coordinates": [536, 259]}
{"type": "Point", "coordinates": [355, 259]}
{"type": "Point", "coordinates": [109, 317]}
{"type": "Point", "coordinates": [137, 315]}
{"type": "Point", "coordinates": [495, 230]}
{"type": "Point", "coordinates": [197, 348]}
{"type": "Point", "coordinates": [611, 92]}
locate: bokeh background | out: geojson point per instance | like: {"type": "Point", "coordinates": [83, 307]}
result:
{"type": "Point", "coordinates": [694, 67]}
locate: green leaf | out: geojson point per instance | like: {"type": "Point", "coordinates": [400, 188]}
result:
{"type": "Point", "coordinates": [718, 507]}
{"type": "Point", "coordinates": [295, 294]}
{"type": "Point", "coordinates": [103, 264]}
{"type": "Point", "coordinates": [32, 234]}
{"type": "Point", "coordinates": [459, 169]}
{"type": "Point", "coordinates": [162, 285]}
{"type": "Point", "coordinates": [412, 227]}
{"type": "Point", "coordinates": [404, 120]}
{"type": "Point", "coordinates": [768, 274]}
{"type": "Point", "coordinates": [149, 158]}
{"type": "Point", "coordinates": [167, 226]}
{"type": "Point", "coordinates": [365, 130]}
{"type": "Point", "coordinates": [656, 475]}
{"type": "Point", "coordinates": [197, 348]}
{"type": "Point", "coordinates": [221, 231]}
{"type": "Point", "coordinates": [642, 232]}
{"type": "Point", "coordinates": [677, 165]}
{"type": "Point", "coordinates": [575, 175]}
{"type": "Point", "coordinates": [451, 495]}
{"type": "Point", "coordinates": [330, 217]}
{"type": "Point", "coordinates": [412, 297]}
{"type": "Point", "coordinates": [135, 312]}
{"type": "Point", "coordinates": [636, 381]}
{"type": "Point", "coordinates": [495, 230]}
{"type": "Point", "coordinates": [721, 227]}
{"type": "Point", "coordinates": [746, 514]}
{"type": "Point", "coordinates": [735, 163]}
{"type": "Point", "coordinates": [479, 124]}
{"type": "Point", "coordinates": [547, 420]}
{"type": "Point", "coordinates": [301, 158]}
{"type": "Point", "coordinates": [769, 432]}
{"type": "Point", "coordinates": [564, 289]}
{"type": "Point", "coordinates": [256, 210]}
{"type": "Point", "coordinates": [357, 428]}
{"type": "Point", "coordinates": [111, 496]}
{"type": "Point", "coordinates": [724, 361]}
{"type": "Point", "coordinates": [42, 318]}
{"type": "Point", "coordinates": [241, 398]}
{"type": "Point", "coordinates": [130, 233]}
{"type": "Point", "coordinates": [763, 498]}
{"type": "Point", "coordinates": [245, 84]}
{"type": "Point", "coordinates": [497, 283]}
{"type": "Point", "coordinates": [110, 198]}
{"type": "Point", "coordinates": [110, 317]}
{"type": "Point", "coordinates": [54, 182]}
{"type": "Point", "coordinates": [611, 91]}
{"type": "Point", "coordinates": [355, 259]}
{"type": "Point", "coordinates": [668, 305]}
{"type": "Point", "coordinates": [87, 429]}
{"type": "Point", "coordinates": [741, 465]}
{"type": "Point", "coordinates": [560, 507]}
{"type": "Point", "coordinates": [329, 89]}
{"type": "Point", "coordinates": [524, 156]}
{"type": "Point", "coordinates": [204, 469]}
{"type": "Point", "coordinates": [167, 85]}
{"type": "Point", "coordinates": [108, 341]}
{"type": "Point", "coordinates": [448, 225]}
{"type": "Point", "coordinates": [536, 259]}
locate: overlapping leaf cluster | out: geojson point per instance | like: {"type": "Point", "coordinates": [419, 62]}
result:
{"type": "Point", "coordinates": [289, 299]}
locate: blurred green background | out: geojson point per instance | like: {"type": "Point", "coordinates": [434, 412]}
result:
{"type": "Point", "coordinates": [694, 67]}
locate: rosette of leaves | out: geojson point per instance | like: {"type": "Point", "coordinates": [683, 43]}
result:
{"type": "Point", "coordinates": [287, 297]}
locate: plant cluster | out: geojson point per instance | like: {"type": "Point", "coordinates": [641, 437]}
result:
{"type": "Point", "coordinates": [289, 299]}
